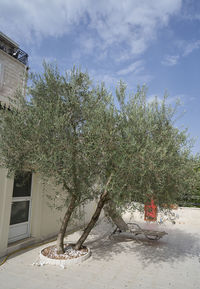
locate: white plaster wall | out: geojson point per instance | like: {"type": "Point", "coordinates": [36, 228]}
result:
{"type": "Point", "coordinates": [13, 78]}
{"type": "Point", "coordinates": [45, 222]}
{"type": "Point", "coordinates": [182, 216]}
{"type": "Point", "coordinates": [6, 188]}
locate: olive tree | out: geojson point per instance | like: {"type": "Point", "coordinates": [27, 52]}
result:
{"type": "Point", "coordinates": [74, 134]}
{"type": "Point", "coordinates": [48, 132]}
{"type": "Point", "coordinates": [144, 157]}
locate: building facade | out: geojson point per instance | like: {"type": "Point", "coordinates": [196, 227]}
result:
{"type": "Point", "coordinates": [25, 216]}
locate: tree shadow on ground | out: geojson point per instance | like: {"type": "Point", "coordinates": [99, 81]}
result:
{"type": "Point", "coordinates": [176, 246]}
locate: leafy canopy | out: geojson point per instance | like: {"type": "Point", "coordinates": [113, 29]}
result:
{"type": "Point", "coordinates": [50, 131]}
{"type": "Point", "coordinates": [74, 134]}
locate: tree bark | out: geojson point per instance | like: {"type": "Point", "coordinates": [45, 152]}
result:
{"type": "Point", "coordinates": [90, 226]}
{"type": "Point", "coordinates": [111, 211]}
{"type": "Point", "coordinates": [65, 221]}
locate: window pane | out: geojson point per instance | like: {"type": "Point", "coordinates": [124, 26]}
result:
{"type": "Point", "coordinates": [22, 185]}
{"type": "Point", "coordinates": [19, 212]}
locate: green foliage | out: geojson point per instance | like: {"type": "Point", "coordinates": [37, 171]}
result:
{"type": "Point", "coordinates": [154, 157]}
{"type": "Point", "coordinates": [50, 132]}
{"type": "Point", "coordinates": [75, 135]}
{"type": "Point", "coordinates": [192, 199]}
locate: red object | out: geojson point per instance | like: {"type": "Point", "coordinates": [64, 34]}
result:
{"type": "Point", "coordinates": [150, 211]}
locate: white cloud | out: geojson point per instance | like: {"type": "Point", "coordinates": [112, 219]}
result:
{"type": "Point", "coordinates": [190, 47]}
{"type": "Point", "coordinates": [169, 100]}
{"type": "Point", "coordinates": [108, 78]}
{"type": "Point", "coordinates": [131, 22]}
{"type": "Point", "coordinates": [153, 97]}
{"type": "Point", "coordinates": [135, 68]}
{"type": "Point", "coordinates": [185, 48]}
{"type": "Point", "coordinates": [170, 60]}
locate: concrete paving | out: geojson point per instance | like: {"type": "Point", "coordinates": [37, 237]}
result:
{"type": "Point", "coordinates": [172, 262]}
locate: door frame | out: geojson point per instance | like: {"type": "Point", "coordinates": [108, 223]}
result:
{"type": "Point", "coordinates": [28, 223]}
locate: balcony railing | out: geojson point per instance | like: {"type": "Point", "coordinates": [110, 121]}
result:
{"type": "Point", "coordinates": [19, 54]}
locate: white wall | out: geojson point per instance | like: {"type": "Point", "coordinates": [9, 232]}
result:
{"type": "Point", "coordinates": [45, 222]}
{"type": "Point", "coordinates": [181, 217]}
{"type": "Point", "coordinates": [6, 186]}
{"type": "Point", "coordinates": [13, 76]}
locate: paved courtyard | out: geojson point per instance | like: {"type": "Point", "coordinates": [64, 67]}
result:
{"type": "Point", "coordinates": [172, 262]}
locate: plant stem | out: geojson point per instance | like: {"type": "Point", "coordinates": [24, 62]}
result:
{"type": "Point", "coordinates": [91, 224]}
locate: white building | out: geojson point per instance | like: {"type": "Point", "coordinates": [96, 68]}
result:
{"type": "Point", "coordinates": [24, 214]}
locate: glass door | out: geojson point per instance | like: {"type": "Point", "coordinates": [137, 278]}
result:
{"type": "Point", "coordinates": [21, 207]}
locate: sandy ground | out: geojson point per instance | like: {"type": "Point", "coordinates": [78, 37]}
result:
{"type": "Point", "coordinates": [172, 262]}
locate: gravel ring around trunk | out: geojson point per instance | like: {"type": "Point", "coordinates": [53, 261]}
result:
{"type": "Point", "coordinates": [63, 262]}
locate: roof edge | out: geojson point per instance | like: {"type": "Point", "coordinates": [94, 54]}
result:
{"type": "Point", "coordinates": [9, 40]}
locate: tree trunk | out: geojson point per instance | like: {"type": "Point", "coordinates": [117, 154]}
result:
{"type": "Point", "coordinates": [65, 221]}
{"type": "Point", "coordinates": [90, 226]}
{"type": "Point", "coordinates": [111, 211]}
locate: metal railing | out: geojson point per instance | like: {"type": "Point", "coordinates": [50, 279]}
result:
{"type": "Point", "coordinates": [18, 54]}
{"type": "Point", "coordinates": [21, 55]}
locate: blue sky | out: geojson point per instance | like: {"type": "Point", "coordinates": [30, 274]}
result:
{"type": "Point", "coordinates": [139, 41]}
